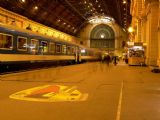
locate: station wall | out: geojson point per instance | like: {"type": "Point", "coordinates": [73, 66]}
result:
{"type": "Point", "coordinates": [120, 35]}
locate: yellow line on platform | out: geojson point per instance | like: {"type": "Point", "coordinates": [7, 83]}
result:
{"type": "Point", "coordinates": [120, 103]}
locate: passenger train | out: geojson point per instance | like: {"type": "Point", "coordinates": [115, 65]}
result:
{"type": "Point", "coordinates": [22, 49]}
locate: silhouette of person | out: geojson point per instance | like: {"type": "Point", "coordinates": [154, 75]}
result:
{"type": "Point", "coordinates": [108, 59]}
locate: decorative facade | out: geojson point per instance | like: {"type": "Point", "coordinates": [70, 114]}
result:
{"type": "Point", "coordinates": [146, 25]}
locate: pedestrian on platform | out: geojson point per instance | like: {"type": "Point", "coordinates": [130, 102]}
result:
{"type": "Point", "coordinates": [108, 59]}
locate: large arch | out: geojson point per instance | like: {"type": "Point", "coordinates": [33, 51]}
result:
{"type": "Point", "coordinates": [102, 36]}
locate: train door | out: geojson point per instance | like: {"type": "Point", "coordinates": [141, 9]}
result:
{"type": "Point", "coordinates": [79, 55]}
{"type": "Point", "coordinates": [76, 55]}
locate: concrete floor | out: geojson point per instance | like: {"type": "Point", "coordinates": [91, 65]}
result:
{"type": "Point", "coordinates": [119, 92]}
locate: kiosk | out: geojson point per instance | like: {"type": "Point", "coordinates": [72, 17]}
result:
{"type": "Point", "coordinates": [136, 55]}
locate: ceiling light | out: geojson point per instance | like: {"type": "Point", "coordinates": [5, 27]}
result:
{"type": "Point", "coordinates": [23, 1]}
{"type": "Point", "coordinates": [85, 2]}
{"type": "Point", "coordinates": [90, 4]}
{"type": "Point", "coordinates": [101, 10]}
{"type": "Point", "coordinates": [36, 8]}
{"type": "Point", "coordinates": [69, 26]}
{"type": "Point", "coordinates": [124, 1]}
{"type": "Point", "coordinates": [100, 19]}
{"type": "Point", "coordinates": [64, 23]}
{"type": "Point", "coordinates": [99, 5]}
{"type": "Point", "coordinates": [58, 20]}
{"type": "Point", "coordinates": [96, 0]}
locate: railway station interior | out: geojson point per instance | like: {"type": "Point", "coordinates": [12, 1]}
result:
{"type": "Point", "coordinates": [79, 59]}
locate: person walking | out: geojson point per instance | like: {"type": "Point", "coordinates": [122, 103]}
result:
{"type": "Point", "coordinates": [108, 59]}
{"type": "Point", "coordinates": [115, 60]}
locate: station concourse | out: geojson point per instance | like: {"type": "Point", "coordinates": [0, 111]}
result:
{"type": "Point", "coordinates": [79, 60]}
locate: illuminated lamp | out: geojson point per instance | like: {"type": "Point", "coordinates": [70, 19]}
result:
{"type": "Point", "coordinates": [36, 8]}
{"type": "Point", "coordinates": [23, 1]}
{"type": "Point", "coordinates": [102, 36]}
{"type": "Point", "coordinates": [100, 19]}
{"type": "Point", "coordinates": [83, 51]}
{"type": "Point", "coordinates": [124, 1]}
{"type": "Point", "coordinates": [130, 29]}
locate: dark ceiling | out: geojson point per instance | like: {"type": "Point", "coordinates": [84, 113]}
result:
{"type": "Point", "coordinates": [69, 16]}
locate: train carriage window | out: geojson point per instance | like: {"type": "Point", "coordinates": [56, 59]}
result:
{"type": "Point", "coordinates": [68, 50]}
{"type": "Point", "coordinates": [6, 41]}
{"type": "Point", "coordinates": [58, 48]}
{"type": "Point", "coordinates": [73, 50]}
{"type": "Point", "coordinates": [34, 46]}
{"type": "Point", "coordinates": [44, 47]}
{"type": "Point", "coordinates": [51, 47]}
{"type": "Point", "coordinates": [22, 43]}
{"type": "Point", "coordinates": [64, 49]}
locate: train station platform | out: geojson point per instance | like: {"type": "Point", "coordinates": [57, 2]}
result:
{"type": "Point", "coordinates": [89, 91]}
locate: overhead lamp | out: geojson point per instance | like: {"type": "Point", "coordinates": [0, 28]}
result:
{"type": "Point", "coordinates": [124, 1]}
{"type": "Point", "coordinates": [99, 5]}
{"type": "Point", "coordinates": [130, 29]}
{"type": "Point", "coordinates": [36, 8]}
{"type": "Point", "coordinates": [85, 2]}
{"type": "Point", "coordinates": [22, 1]}
{"type": "Point", "coordinates": [100, 19]}
{"type": "Point", "coordinates": [90, 4]}
{"type": "Point", "coordinates": [58, 20]}
{"type": "Point", "coordinates": [96, 1]}
{"type": "Point", "coordinates": [69, 26]}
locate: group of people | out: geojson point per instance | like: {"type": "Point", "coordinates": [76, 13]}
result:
{"type": "Point", "coordinates": [107, 59]}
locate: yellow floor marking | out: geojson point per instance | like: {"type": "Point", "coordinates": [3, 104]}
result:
{"type": "Point", "coordinates": [120, 103]}
{"type": "Point", "coordinates": [65, 93]}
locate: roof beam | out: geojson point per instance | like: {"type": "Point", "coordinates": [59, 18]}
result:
{"type": "Point", "coordinates": [75, 9]}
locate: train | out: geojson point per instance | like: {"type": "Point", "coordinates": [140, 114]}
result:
{"type": "Point", "coordinates": [22, 49]}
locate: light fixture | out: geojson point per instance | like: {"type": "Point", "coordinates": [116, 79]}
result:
{"type": "Point", "coordinates": [102, 35]}
{"type": "Point", "coordinates": [58, 20]}
{"type": "Point", "coordinates": [100, 19]}
{"type": "Point", "coordinates": [22, 1]}
{"type": "Point", "coordinates": [130, 29]}
{"type": "Point", "coordinates": [124, 1]}
{"type": "Point", "coordinates": [69, 26]}
{"type": "Point", "coordinates": [90, 4]}
{"type": "Point", "coordinates": [36, 7]}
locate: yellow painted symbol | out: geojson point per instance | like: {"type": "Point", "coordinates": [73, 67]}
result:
{"type": "Point", "coordinates": [50, 93]}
